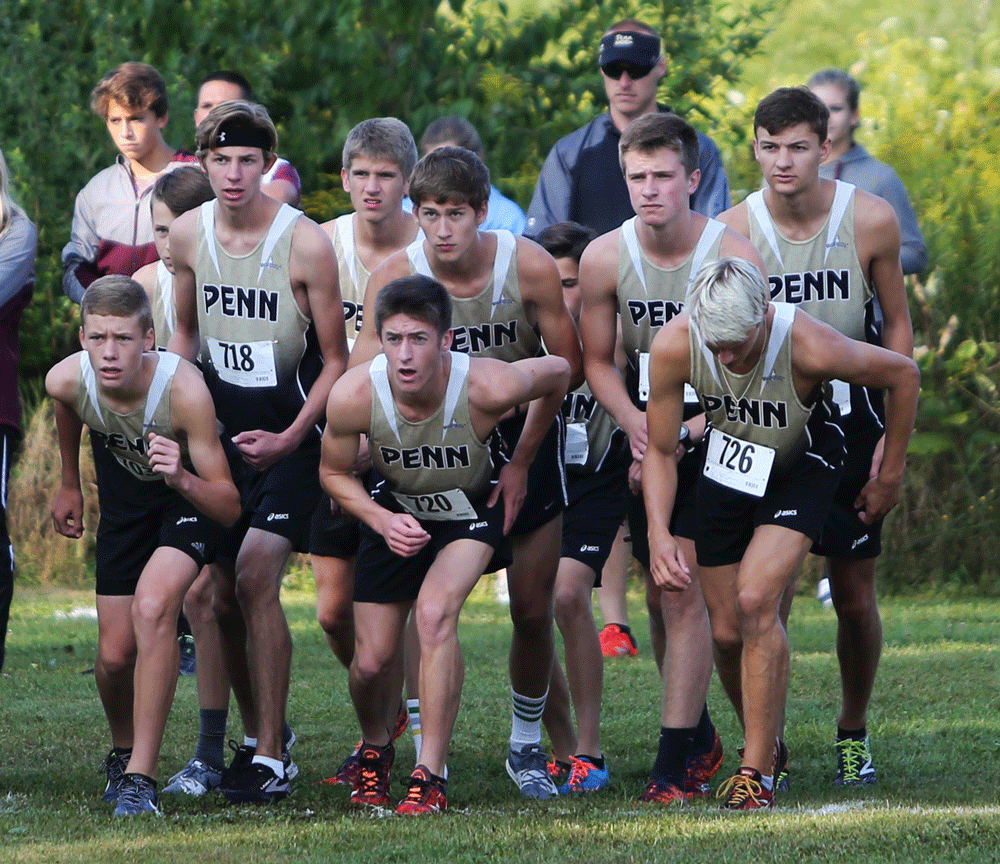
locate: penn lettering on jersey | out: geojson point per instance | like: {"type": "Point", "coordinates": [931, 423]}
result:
{"type": "Point", "coordinates": [354, 310]}
{"type": "Point", "coordinates": [476, 338]}
{"type": "Point", "coordinates": [812, 286]}
{"type": "Point", "coordinates": [579, 407]}
{"type": "Point", "coordinates": [659, 312]}
{"type": "Point", "coordinates": [753, 412]}
{"type": "Point", "coordinates": [427, 456]}
{"type": "Point", "coordinates": [235, 301]}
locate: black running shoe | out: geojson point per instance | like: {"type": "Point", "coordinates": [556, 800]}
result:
{"type": "Point", "coordinates": [255, 784]}
{"type": "Point", "coordinates": [114, 769]}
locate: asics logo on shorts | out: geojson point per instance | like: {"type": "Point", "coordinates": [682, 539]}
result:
{"type": "Point", "coordinates": [586, 548]}
{"type": "Point", "coordinates": [277, 517]}
{"type": "Point", "coordinates": [185, 519]}
{"type": "Point", "coordinates": [474, 525]}
{"type": "Point", "coordinates": [859, 541]}
{"type": "Point", "coordinates": [199, 548]}
{"type": "Point", "coordinates": [781, 513]}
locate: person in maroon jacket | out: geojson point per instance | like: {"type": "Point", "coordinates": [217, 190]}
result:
{"type": "Point", "coordinates": [18, 243]}
{"type": "Point", "coordinates": [111, 230]}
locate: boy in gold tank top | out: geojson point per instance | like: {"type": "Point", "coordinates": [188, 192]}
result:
{"type": "Point", "coordinates": [760, 370]}
{"type": "Point", "coordinates": [163, 485]}
{"type": "Point", "coordinates": [433, 518]}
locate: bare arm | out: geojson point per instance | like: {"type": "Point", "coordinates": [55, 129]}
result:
{"type": "Point", "coordinates": [67, 508]}
{"type": "Point", "coordinates": [210, 488]}
{"type": "Point", "coordinates": [495, 387]}
{"type": "Point", "coordinates": [349, 417]}
{"type": "Point", "coordinates": [366, 344]}
{"type": "Point", "coordinates": [184, 339]}
{"type": "Point", "coordinates": [599, 331]}
{"type": "Point", "coordinates": [826, 354]}
{"type": "Point", "coordinates": [313, 273]}
{"type": "Point", "coordinates": [669, 369]}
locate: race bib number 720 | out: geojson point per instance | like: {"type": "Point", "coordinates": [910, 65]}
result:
{"type": "Point", "coordinates": [438, 506]}
{"type": "Point", "coordinates": [244, 364]}
{"type": "Point", "coordinates": [738, 464]}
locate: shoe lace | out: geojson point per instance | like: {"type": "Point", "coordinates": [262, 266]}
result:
{"type": "Point", "coordinates": [369, 781]}
{"type": "Point", "coordinates": [852, 754]}
{"type": "Point", "coordinates": [114, 766]}
{"type": "Point", "coordinates": [419, 789]}
{"type": "Point", "coordinates": [130, 793]}
{"type": "Point", "coordinates": [579, 771]}
{"type": "Point", "coordinates": [739, 789]}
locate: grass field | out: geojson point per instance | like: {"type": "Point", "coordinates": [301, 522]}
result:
{"type": "Point", "coordinates": [935, 725]}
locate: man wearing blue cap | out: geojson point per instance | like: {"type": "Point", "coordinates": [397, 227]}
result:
{"type": "Point", "coordinates": [581, 179]}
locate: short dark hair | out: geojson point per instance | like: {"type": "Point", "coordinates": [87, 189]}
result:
{"type": "Point", "coordinates": [658, 130]}
{"type": "Point", "coordinates": [417, 296]}
{"type": "Point", "coordinates": [839, 78]}
{"type": "Point", "coordinates": [135, 86]}
{"type": "Point", "coordinates": [565, 239]}
{"type": "Point", "coordinates": [119, 296]}
{"type": "Point", "coordinates": [182, 189]}
{"type": "Point", "coordinates": [789, 106]}
{"type": "Point", "coordinates": [452, 130]}
{"type": "Point", "coordinates": [230, 77]}
{"type": "Point", "coordinates": [451, 174]}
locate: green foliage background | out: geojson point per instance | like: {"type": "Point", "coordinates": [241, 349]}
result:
{"type": "Point", "coordinates": [524, 74]}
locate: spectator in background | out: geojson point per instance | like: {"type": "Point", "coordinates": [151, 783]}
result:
{"type": "Point", "coordinates": [111, 230]}
{"type": "Point", "coordinates": [581, 180]}
{"type": "Point", "coordinates": [18, 243]}
{"type": "Point", "coordinates": [281, 182]}
{"type": "Point", "coordinates": [501, 212]}
{"type": "Point", "coordinates": [852, 163]}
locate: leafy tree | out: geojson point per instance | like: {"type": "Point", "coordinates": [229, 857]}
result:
{"type": "Point", "coordinates": [320, 69]}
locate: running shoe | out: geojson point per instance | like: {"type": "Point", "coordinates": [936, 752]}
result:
{"type": "Point", "coordinates": [744, 791]}
{"type": "Point", "coordinates": [348, 771]}
{"type": "Point", "coordinates": [701, 767]}
{"type": "Point", "coordinates": [615, 642]}
{"type": "Point", "coordinates": [291, 769]}
{"type": "Point", "coordinates": [663, 791]}
{"type": "Point", "coordinates": [585, 776]}
{"type": "Point", "coordinates": [255, 783]}
{"type": "Point", "coordinates": [136, 795]}
{"type": "Point", "coordinates": [782, 783]}
{"type": "Point", "coordinates": [854, 762]}
{"type": "Point", "coordinates": [188, 665]}
{"type": "Point", "coordinates": [113, 767]}
{"type": "Point", "coordinates": [426, 794]}
{"type": "Point", "coordinates": [196, 778]}
{"type": "Point", "coordinates": [371, 787]}
{"type": "Point", "coordinates": [527, 767]}
{"type": "Point", "coordinates": [558, 771]}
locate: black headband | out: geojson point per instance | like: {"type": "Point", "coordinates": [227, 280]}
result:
{"type": "Point", "coordinates": [237, 132]}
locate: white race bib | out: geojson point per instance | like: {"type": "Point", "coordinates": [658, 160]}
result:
{"type": "Point", "coordinates": [738, 464]}
{"type": "Point", "coordinates": [438, 506]}
{"type": "Point", "coordinates": [577, 444]}
{"type": "Point", "coordinates": [841, 395]}
{"type": "Point", "coordinates": [690, 394]}
{"type": "Point", "coordinates": [244, 364]}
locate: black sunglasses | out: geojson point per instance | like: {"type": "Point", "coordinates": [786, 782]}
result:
{"type": "Point", "coordinates": [635, 70]}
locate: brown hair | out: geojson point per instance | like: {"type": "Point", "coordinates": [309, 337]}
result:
{"type": "Point", "coordinates": [135, 86]}
{"type": "Point", "coordinates": [119, 296]}
{"type": "Point", "coordinates": [182, 189]}
{"type": "Point", "coordinates": [451, 174]}
{"type": "Point", "coordinates": [658, 130]}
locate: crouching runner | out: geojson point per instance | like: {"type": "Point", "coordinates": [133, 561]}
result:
{"type": "Point", "coordinates": [433, 519]}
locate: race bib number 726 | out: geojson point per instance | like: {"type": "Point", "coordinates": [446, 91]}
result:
{"type": "Point", "coordinates": [738, 464]}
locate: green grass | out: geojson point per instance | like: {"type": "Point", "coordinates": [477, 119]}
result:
{"type": "Point", "coordinates": [935, 725]}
